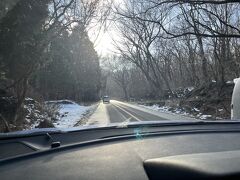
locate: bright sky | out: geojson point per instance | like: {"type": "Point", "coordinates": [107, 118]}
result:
{"type": "Point", "coordinates": [105, 44]}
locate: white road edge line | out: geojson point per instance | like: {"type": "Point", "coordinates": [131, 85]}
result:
{"type": "Point", "coordinates": [127, 112]}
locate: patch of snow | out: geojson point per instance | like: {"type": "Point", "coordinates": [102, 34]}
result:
{"type": "Point", "coordinates": [156, 107]}
{"type": "Point", "coordinates": [190, 88]}
{"type": "Point", "coordinates": [205, 116]}
{"type": "Point", "coordinates": [5, 98]}
{"type": "Point", "coordinates": [165, 112]}
{"type": "Point", "coordinates": [178, 111]}
{"type": "Point", "coordinates": [162, 108]}
{"type": "Point", "coordinates": [32, 112]}
{"type": "Point", "coordinates": [235, 80]}
{"type": "Point", "coordinates": [199, 115]}
{"type": "Point", "coordinates": [229, 82]}
{"type": "Point", "coordinates": [70, 113]}
{"type": "Point", "coordinates": [167, 109]}
{"type": "Point", "coordinates": [66, 113]}
{"type": "Point", "coordinates": [29, 99]}
{"type": "Point", "coordinates": [37, 111]}
{"type": "Point", "coordinates": [196, 109]}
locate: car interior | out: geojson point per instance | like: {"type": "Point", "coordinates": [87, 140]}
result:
{"type": "Point", "coordinates": [203, 150]}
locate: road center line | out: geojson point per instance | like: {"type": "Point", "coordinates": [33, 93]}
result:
{"type": "Point", "coordinates": [124, 117]}
{"type": "Point", "coordinates": [127, 112]}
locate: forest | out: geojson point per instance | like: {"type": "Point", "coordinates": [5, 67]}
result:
{"type": "Point", "coordinates": [177, 43]}
{"type": "Point", "coordinates": [46, 54]}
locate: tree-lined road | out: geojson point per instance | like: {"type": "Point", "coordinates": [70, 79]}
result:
{"type": "Point", "coordinates": [120, 112]}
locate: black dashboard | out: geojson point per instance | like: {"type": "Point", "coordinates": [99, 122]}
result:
{"type": "Point", "coordinates": [188, 151]}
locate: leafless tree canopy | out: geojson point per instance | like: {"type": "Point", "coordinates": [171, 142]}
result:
{"type": "Point", "coordinates": [180, 43]}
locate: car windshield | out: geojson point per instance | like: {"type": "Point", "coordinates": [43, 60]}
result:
{"type": "Point", "coordinates": [78, 63]}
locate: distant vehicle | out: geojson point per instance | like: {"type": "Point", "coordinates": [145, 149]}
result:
{"type": "Point", "coordinates": [106, 99]}
{"type": "Point", "coordinates": [235, 106]}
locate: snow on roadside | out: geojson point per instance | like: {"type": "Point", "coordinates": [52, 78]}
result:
{"type": "Point", "coordinates": [203, 117]}
{"type": "Point", "coordinates": [35, 113]}
{"type": "Point", "coordinates": [70, 113]}
{"type": "Point", "coordinates": [166, 109]}
{"type": "Point", "coordinates": [235, 80]}
{"type": "Point", "coordinates": [171, 110]}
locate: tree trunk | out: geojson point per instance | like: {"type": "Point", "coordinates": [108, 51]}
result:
{"type": "Point", "coordinates": [205, 75]}
{"type": "Point", "coordinates": [21, 90]}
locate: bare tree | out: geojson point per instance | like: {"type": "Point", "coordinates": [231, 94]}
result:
{"type": "Point", "coordinates": [137, 44]}
{"type": "Point", "coordinates": [180, 43]}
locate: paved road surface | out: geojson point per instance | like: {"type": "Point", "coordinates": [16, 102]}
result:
{"type": "Point", "coordinates": [119, 112]}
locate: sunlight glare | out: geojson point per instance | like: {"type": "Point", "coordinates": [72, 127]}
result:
{"type": "Point", "coordinates": [104, 45]}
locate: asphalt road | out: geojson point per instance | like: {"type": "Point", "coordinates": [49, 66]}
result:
{"type": "Point", "coordinates": [118, 112]}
